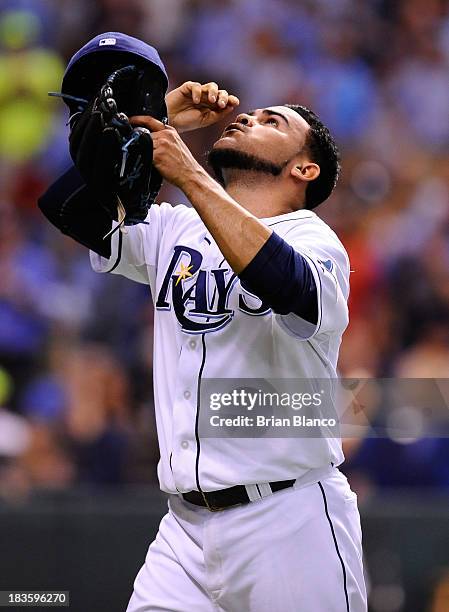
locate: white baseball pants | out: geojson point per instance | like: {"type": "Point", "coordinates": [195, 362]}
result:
{"type": "Point", "coordinates": [298, 550]}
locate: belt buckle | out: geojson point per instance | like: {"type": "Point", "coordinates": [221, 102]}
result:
{"type": "Point", "coordinates": [212, 508]}
{"type": "Point", "coordinates": [208, 505]}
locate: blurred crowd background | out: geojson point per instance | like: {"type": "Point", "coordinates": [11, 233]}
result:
{"type": "Point", "coordinates": [76, 347]}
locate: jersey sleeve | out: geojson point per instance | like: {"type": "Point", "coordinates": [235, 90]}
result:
{"type": "Point", "coordinates": [329, 264]}
{"type": "Point", "coordinates": [134, 251]}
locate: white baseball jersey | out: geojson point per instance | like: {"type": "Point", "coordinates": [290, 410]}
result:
{"type": "Point", "coordinates": [207, 326]}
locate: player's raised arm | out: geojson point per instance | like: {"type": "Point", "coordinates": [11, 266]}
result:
{"type": "Point", "coordinates": [265, 164]}
{"type": "Point", "coordinates": [235, 226]}
{"type": "Point", "coordinates": [238, 232]}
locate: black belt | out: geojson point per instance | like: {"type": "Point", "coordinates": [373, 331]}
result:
{"type": "Point", "coordinates": [225, 498]}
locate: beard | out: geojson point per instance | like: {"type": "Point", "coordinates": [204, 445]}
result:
{"type": "Point", "coordinates": [221, 159]}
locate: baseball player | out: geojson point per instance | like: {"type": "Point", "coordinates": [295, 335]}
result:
{"type": "Point", "coordinates": [248, 282]}
{"type": "Point", "coordinates": [240, 290]}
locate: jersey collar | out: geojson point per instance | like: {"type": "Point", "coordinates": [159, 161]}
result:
{"type": "Point", "coordinates": [303, 213]}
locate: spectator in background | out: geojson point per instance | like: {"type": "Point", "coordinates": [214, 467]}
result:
{"type": "Point", "coordinates": [27, 72]}
{"type": "Point", "coordinates": [97, 414]}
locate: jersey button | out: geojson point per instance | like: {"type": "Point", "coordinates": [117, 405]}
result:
{"type": "Point", "coordinates": [184, 444]}
{"type": "Point", "coordinates": [187, 394]}
{"type": "Point", "coordinates": [192, 344]}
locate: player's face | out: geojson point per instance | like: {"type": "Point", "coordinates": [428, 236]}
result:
{"type": "Point", "coordinates": [275, 134]}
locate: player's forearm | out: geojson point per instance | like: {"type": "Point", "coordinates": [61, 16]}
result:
{"type": "Point", "coordinates": [238, 234]}
{"type": "Point", "coordinates": [268, 266]}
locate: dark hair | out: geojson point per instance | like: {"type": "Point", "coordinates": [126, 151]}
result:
{"type": "Point", "coordinates": [324, 152]}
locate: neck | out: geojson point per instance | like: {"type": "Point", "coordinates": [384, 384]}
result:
{"type": "Point", "coordinates": [262, 198]}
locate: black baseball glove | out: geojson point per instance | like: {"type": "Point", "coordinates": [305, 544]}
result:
{"type": "Point", "coordinates": [113, 157]}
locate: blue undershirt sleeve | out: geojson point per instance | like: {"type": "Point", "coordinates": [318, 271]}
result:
{"type": "Point", "coordinates": [282, 278]}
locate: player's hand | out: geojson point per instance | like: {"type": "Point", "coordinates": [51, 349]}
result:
{"type": "Point", "coordinates": [192, 105]}
{"type": "Point", "coordinates": [171, 156]}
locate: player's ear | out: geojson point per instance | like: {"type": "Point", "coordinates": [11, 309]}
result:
{"type": "Point", "coordinates": [306, 171]}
